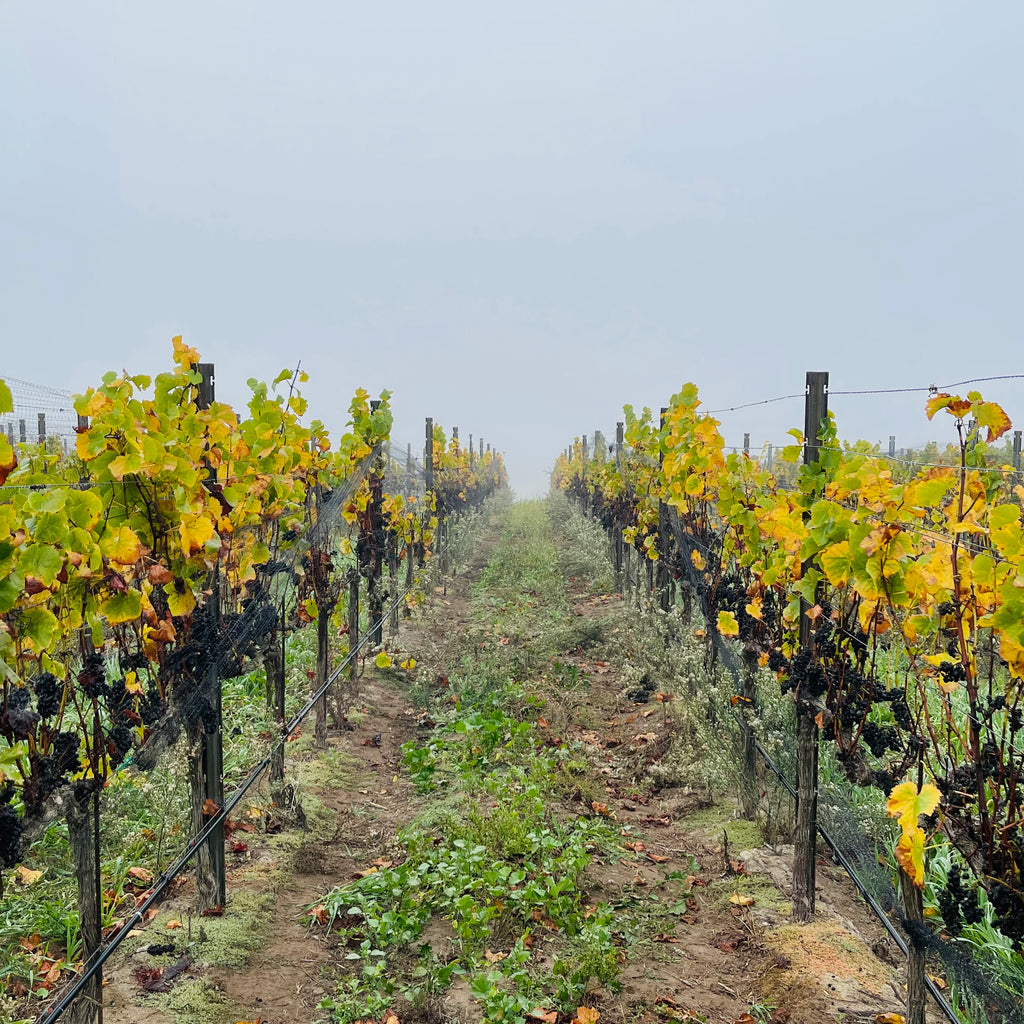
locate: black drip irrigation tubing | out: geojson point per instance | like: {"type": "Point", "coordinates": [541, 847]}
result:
{"type": "Point", "coordinates": [880, 913]}
{"type": "Point", "coordinates": [53, 1012]}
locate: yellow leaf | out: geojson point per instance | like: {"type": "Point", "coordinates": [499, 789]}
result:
{"type": "Point", "coordinates": [26, 876]}
{"type": "Point", "coordinates": [195, 531]}
{"type": "Point", "coordinates": [179, 603]}
{"type": "Point", "coordinates": [383, 660]}
{"type": "Point", "coordinates": [741, 901]}
{"type": "Point", "coordinates": [907, 804]}
{"type": "Point", "coordinates": [122, 546]}
{"type": "Point", "coordinates": [409, 664]}
{"type": "Point", "coordinates": [586, 1015]}
{"type": "Point", "coordinates": [727, 624]}
{"type": "Point", "coordinates": [910, 855]}
{"type": "Point", "coordinates": [698, 561]}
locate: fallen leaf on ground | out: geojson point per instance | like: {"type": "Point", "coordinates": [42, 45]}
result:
{"type": "Point", "coordinates": [26, 876]}
{"type": "Point", "coordinates": [657, 858]}
{"type": "Point", "coordinates": [545, 1016]}
{"type": "Point", "coordinates": [665, 937]}
{"type": "Point", "coordinates": [741, 901]}
{"type": "Point", "coordinates": [586, 1015]}
{"type": "Point", "coordinates": [174, 924]}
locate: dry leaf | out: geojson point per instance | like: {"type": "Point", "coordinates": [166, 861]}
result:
{"type": "Point", "coordinates": [586, 1015]}
{"type": "Point", "coordinates": [741, 901]}
{"type": "Point", "coordinates": [174, 924]}
{"type": "Point", "coordinates": [889, 1018]}
{"type": "Point", "coordinates": [26, 876]}
{"type": "Point", "coordinates": [544, 1016]}
{"type": "Point", "coordinates": [657, 858]}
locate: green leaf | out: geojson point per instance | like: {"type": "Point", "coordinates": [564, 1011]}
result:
{"type": "Point", "coordinates": [39, 626]}
{"type": "Point", "coordinates": [125, 606]}
{"type": "Point", "coordinates": [41, 561]}
{"type": "Point", "coordinates": [12, 755]}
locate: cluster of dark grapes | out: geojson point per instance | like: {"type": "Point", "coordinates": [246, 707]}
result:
{"type": "Point", "coordinates": [806, 673]}
{"type": "Point", "coordinates": [1009, 912]}
{"type": "Point", "coordinates": [18, 720]}
{"type": "Point", "coordinates": [879, 738]}
{"type": "Point", "coordinates": [10, 829]}
{"type": "Point", "coordinates": [49, 691]}
{"type": "Point", "coordinates": [958, 903]}
{"type": "Point", "coordinates": [93, 676]}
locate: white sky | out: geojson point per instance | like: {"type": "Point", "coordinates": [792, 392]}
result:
{"type": "Point", "coordinates": [519, 217]}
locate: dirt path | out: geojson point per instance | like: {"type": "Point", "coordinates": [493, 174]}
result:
{"type": "Point", "coordinates": [701, 906]}
{"type": "Point", "coordinates": [281, 969]}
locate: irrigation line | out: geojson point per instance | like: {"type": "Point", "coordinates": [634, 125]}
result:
{"type": "Point", "coordinates": [171, 873]}
{"type": "Point", "coordinates": [880, 913]}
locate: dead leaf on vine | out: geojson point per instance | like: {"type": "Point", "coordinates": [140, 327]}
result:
{"type": "Point", "coordinates": [209, 807]}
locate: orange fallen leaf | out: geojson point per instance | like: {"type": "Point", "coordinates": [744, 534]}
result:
{"type": "Point", "coordinates": [741, 901]}
{"type": "Point", "coordinates": [657, 858]}
{"type": "Point", "coordinates": [544, 1016]}
{"type": "Point", "coordinates": [174, 924]}
{"type": "Point", "coordinates": [586, 1015]}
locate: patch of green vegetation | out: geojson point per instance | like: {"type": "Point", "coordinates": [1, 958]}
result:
{"type": "Point", "coordinates": [488, 857]}
{"type": "Point", "coordinates": [764, 892]}
{"type": "Point", "coordinates": [199, 1001]}
{"type": "Point", "coordinates": [717, 818]}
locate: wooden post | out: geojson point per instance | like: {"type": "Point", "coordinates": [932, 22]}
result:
{"type": "Point", "coordinates": [41, 422]}
{"type": "Point", "coordinates": [892, 446]}
{"type": "Point", "coordinates": [663, 576]}
{"type": "Point", "coordinates": [470, 451]}
{"type": "Point", "coordinates": [619, 437]}
{"type": "Point", "coordinates": [748, 768]}
{"type": "Point", "coordinates": [206, 386]}
{"type": "Point", "coordinates": [353, 619]}
{"type": "Point", "coordinates": [1016, 457]}
{"type": "Point", "coordinates": [22, 434]}
{"type": "Point", "coordinates": [771, 452]}
{"type": "Point", "coordinates": [212, 739]}
{"type": "Point", "coordinates": [913, 907]}
{"type": "Point", "coordinates": [376, 549]}
{"type": "Point", "coordinates": [746, 444]}
{"type": "Point", "coordinates": [428, 455]}
{"type": "Point", "coordinates": [274, 666]}
{"type": "Point", "coordinates": [805, 840]}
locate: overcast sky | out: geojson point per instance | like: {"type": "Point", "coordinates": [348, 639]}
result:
{"type": "Point", "coordinates": [518, 217]}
